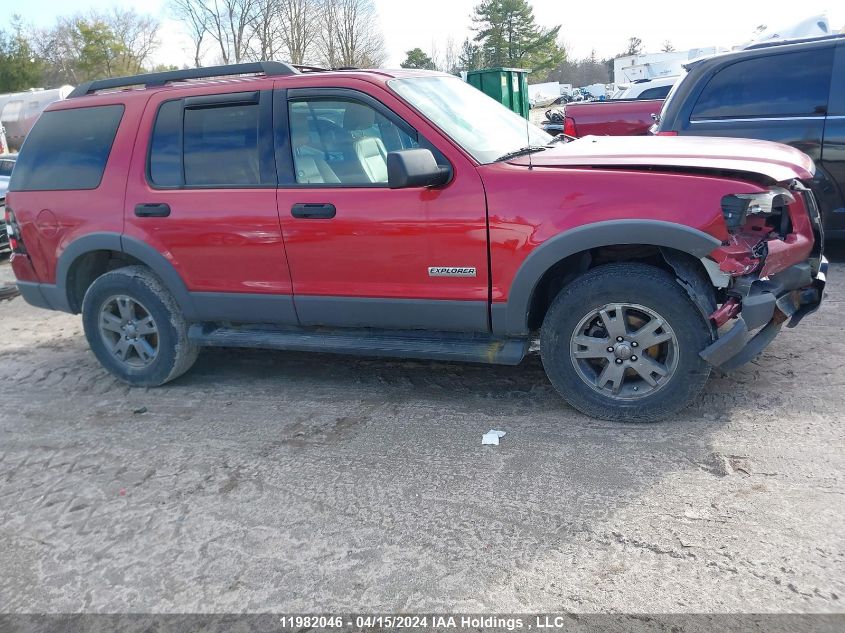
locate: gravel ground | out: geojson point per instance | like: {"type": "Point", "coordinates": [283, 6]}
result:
{"type": "Point", "coordinates": [267, 481]}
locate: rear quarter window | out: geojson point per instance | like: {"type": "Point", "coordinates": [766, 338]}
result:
{"type": "Point", "coordinates": [655, 93]}
{"type": "Point", "coordinates": [67, 150]}
{"type": "Point", "coordinates": [788, 84]}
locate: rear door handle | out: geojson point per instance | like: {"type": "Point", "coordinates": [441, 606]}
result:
{"type": "Point", "coordinates": [160, 210]}
{"type": "Point", "coordinates": [311, 211]}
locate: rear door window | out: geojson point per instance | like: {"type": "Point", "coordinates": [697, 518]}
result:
{"type": "Point", "coordinates": [788, 84]}
{"type": "Point", "coordinates": [67, 150]}
{"type": "Point", "coordinates": [216, 141]}
{"type": "Point", "coordinates": [221, 146]}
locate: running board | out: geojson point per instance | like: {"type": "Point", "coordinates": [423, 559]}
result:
{"type": "Point", "coordinates": [448, 346]}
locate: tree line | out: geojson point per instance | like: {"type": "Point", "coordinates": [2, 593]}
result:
{"type": "Point", "coordinates": [329, 33]}
{"type": "Point", "coordinates": [76, 48]}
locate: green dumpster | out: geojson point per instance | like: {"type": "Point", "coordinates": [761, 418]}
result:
{"type": "Point", "coordinates": [508, 86]}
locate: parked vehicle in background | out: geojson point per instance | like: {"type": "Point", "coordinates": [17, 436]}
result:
{"type": "Point", "coordinates": [405, 213]}
{"type": "Point", "coordinates": [7, 162]}
{"type": "Point", "coordinates": [614, 117]}
{"type": "Point", "coordinates": [790, 92]}
{"type": "Point", "coordinates": [5, 249]}
{"type": "Point", "coordinates": [20, 110]}
{"type": "Point", "coordinates": [647, 89]}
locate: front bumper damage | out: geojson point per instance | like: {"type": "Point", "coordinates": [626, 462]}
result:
{"type": "Point", "coordinates": [782, 291]}
{"type": "Point", "coordinates": [783, 299]}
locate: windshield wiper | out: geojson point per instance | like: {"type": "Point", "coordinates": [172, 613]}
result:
{"type": "Point", "coordinates": [522, 151]}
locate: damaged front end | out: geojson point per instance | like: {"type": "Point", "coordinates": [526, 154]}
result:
{"type": "Point", "coordinates": [770, 271]}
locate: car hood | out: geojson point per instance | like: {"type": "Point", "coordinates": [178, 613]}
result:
{"type": "Point", "coordinates": [774, 160]}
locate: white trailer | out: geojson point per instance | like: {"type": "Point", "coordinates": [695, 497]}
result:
{"type": "Point", "coordinates": [20, 110]}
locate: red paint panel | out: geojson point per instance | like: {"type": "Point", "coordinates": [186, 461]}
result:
{"type": "Point", "coordinates": [382, 241]}
{"type": "Point", "coordinates": [528, 207]}
{"type": "Point", "coordinates": [219, 240]}
{"type": "Point", "coordinates": [613, 118]}
{"type": "Point", "coordinates": [50, 220]}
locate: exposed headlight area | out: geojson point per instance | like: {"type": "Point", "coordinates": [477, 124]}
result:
{"type": "Point", "coordinates": [738, 206]}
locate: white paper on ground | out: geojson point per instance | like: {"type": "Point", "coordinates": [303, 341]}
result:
{"type": "Point", "coordinates": [492, 437]}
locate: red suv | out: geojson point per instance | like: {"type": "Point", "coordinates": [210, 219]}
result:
{"type": "Point", "coordinates": [406, 214]}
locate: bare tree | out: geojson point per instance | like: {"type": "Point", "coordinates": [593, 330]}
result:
{"type": "Point", "coordinates": [193, 14]}
{"type": "Point", "coordinates": [266, 38]}
{"type": "Point", "coordinates": [137, 36]}
{"type": "Point", "coordinates": [447, 59]}
{"type": "Point", "coordinates": [350, 34]}
{"type": "Point", "coordinates": [332, 32]}
{"type": "Point", "coordinates": [228, 23]}
{"type": "Point", "coordinates": [299, 28]}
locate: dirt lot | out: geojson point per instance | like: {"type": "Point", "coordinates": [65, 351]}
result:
{"type": "Point", "coordinates": [266, 481]}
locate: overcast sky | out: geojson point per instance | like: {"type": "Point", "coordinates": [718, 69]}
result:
{"type": "Point", "coordinates": [604, 26]}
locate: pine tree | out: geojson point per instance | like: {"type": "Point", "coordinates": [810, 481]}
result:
{"type": "Point", "coordinates": [416, 58]}
{"type": "Point", "coordinates": [470, 56]}
{"type": "Point", "coordinates": [509, 36]}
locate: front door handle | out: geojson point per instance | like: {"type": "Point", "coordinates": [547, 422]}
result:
{"type": "Point", "coordinates": [311, 211]}
{"type": "Point", "coordinates": [152, 210]}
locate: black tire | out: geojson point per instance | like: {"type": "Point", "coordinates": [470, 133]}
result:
{"type": "Point", "coordinates": [174, 353]}
{"type": "Point", "coordinates": [662, 300]}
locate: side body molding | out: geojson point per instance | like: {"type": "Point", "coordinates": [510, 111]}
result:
{"type": "Point", "coordinates": [119, 243]}
{"type": "Point", "coordinates": [511, 317]}
{"type": "Point", "coordinates": [59, 298]}
{"type": "Point", "coordinates": [195, 306]}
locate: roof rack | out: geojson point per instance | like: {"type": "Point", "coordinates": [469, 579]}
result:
{"type": "Point", "coordinates": [305, 68]}
{"type": "Point", "coordinates": [271, 69]}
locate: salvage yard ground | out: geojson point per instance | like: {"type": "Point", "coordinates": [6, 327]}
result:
{"type": "Point", "coordinates": [268, 481]}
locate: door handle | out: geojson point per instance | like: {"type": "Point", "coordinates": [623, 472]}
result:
{"type": "Point", "coordinates": [153, 210]}
{"type": "Point", "coordinates": [311, 210]}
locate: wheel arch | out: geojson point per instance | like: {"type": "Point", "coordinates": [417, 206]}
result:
{"type": "Point", "coordinates": [88, 257]}
{"type": "Point", "coordinates": [565, 252]}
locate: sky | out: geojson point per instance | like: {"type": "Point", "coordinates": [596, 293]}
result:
{"type": "Point", "coordinates": [423, 23]}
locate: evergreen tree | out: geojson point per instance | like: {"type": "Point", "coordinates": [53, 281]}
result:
{"type": "Point", "coordinates": [635, 47]}
{"type": "Point", "coordinates": [416, 58]}
{"type": "Point", "coordinates": [20, 69]}
{"type": "Point", "coordinates": [509, 36]}
{"type": "Point", "coordinates": [470, 56]}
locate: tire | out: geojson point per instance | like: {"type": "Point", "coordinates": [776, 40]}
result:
{"type": "Point", "coordinates": [576, 340]}
{"type": "Point", "coordinates": [132, 302]}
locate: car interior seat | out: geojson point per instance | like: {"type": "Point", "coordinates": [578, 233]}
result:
{"type": "Point", "coordinates": [310, 163]}
{"type": "Point", "coordinates": [369, 150]}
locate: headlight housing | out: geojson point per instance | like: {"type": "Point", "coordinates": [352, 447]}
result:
{"type": "Point", "coordinates": [737, 207]}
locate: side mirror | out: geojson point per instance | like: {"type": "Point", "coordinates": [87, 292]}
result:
{"type": "Point", "coordinates": [414, 168]}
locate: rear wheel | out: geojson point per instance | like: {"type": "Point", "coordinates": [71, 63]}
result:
{"type": "Point", "coordinates": [622, 342]}
{"type": "Point", "coordinates": [135, 328]}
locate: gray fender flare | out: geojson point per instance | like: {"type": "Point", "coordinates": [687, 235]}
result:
{"type": "Point", "coordinates": [511, 318]}
{"type": "Point", "coordinates": [123, 244]}
{"type": "Point", "coordinates": [160, 265]}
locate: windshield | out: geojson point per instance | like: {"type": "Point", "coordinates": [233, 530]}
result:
{"type": "Point", "coordinates": [481, 125]}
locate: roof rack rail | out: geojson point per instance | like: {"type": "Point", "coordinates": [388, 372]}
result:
{"type": "Point", "coordinates": [305, 68]}
{"type": "Point", "coordinates": [271, 69]}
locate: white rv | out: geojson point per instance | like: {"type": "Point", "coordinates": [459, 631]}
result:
{"type": "Point", "coordinates": [20, 110]}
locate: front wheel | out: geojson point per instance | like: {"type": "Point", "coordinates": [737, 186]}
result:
{"type": "Point", "coordinates": [622, 342]}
